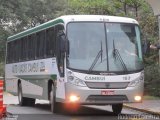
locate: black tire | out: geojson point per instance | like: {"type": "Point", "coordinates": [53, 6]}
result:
{"type": "Point", "coordinates": [117, 108]}
{"type": "Point", "coordinates": [23, 101]}
{"type": "Point", "coordinates": [30, 101]}
{"type": "Point", "coordinates": [55, 106]}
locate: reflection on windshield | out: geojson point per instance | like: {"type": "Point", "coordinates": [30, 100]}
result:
{"type": "Point", "coordinates": [85, 43]}
{"type": "Point", "coordinates": [126, 40]}
{"type": "Point", "coordinates": [87, 39]}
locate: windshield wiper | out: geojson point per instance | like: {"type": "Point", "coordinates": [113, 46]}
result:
{"type": "Point", "coordinates": [117, 55]}
{"type": "Point", "coordinates": [100, 53]}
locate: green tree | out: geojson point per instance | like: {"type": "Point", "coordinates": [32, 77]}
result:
{"type": "Point", "coordinates": [128, 7]}
{"type": "Point", "coordinates": [42, 11]}
{"type": "Point", "coordinates": [18, 15]}
{"type": "Point", "coordinates": [102, 7]}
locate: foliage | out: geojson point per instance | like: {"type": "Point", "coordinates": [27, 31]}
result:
{"type": "Point", "coordinates": [18, 15]}
{"type": "Point", "coordinates": [128, 7]}
{"type": "Point", "coordinates": [90, 7]}
{"type": "Point", "coordinates": [1, 70]}
{"type": "Point", "coordinates": [148, 23]}
{"type": "Point", "coordinates": [151, 97]}
{"type": "Point", "coordinates": [42, 11]}
{"type": "Point", "coordinates": [152, 83]}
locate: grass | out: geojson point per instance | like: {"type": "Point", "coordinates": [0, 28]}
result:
{"type": "Point", "coordinates": [151, 98]}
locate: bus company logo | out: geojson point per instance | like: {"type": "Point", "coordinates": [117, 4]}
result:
{"type": "Point", "coordinates": [28, 67]}
{"type": "Point", "coordinates": [94, 78]}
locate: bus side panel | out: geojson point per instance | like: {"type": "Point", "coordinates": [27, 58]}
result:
{"type": "Point", "coordinates": [11, 85]}
{"type": "Point", "coordinates": [31, 89]}
{"type": "Point", "coordinates": [34, 76]}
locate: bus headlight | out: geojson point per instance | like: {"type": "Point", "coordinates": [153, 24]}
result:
{"type": "Point", "coordinates": [136, 81]}
{"type": "Point", "coordinates": [133, 83]}
{"type": "Point", "coordinates": [76, 81]}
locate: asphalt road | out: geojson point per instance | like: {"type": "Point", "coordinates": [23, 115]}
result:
{"type": "Point", "coordinates": [41, 111]}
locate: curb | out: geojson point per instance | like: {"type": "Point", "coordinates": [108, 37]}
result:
{"type": "Point", "coordinates": [142, 110]}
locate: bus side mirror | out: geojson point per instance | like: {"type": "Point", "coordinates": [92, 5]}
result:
{"type": "Point", "coordinates": [145, 47]}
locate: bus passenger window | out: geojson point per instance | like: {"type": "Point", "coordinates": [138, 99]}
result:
{"type": "Point", "coordinates": [40, 45]}
{"type": "Point", "coordinates": [50, 42]}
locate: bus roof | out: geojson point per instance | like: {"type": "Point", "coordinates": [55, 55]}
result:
{"type": "Point", "coordinates": [69, 18]}
{"type": "Point", "coordinates": [72, 18]}
{"type": "Point", "coordinates": [35, 29]}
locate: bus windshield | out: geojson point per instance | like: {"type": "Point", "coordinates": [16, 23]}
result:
{"type": "Point", "coordinates": [104, 47]}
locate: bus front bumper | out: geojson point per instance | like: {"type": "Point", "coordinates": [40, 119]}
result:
{"type": "Point", "coordinates": [88, 96]}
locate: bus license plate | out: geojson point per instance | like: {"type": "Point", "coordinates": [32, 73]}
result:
{"type": "Point", "coordinates": [107, 92]}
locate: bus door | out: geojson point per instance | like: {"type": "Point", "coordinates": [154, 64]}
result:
{"type": "Point", "coordinates": [60, 93]}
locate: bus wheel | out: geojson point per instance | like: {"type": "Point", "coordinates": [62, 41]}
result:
{"type": "Point", "coordinates": [117, 108]}
{"type": "Point", "coordinates": [54, 105]}
{"type": "Point", "coordinates": [22, 100]}
{"type": "Point", "coordinates": [30, 101]}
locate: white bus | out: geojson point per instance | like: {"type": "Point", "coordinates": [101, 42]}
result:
{"type": "Point", "coordinates": [77, 59]}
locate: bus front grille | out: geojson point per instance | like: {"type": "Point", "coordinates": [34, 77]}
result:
{"type": "Point", "coordinates": [107, 98]}
{"type": "Point", "coordinates": [107, 85]}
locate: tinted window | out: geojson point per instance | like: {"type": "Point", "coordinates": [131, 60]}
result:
{"type": "Point", "coordinates": [40, 44]}
{"type": "Point", "coordinates": [31, 46]}
{"type": "Point", "coordinates": [50, 42]}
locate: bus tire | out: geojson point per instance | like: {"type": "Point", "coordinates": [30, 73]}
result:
{"type": "Point", "coordinates": [117, 108]}
{"type": "Point", "coordinates": [22, 100]}
{"type": "Point", "coordinates": [30, 101]}
{"type": "Point", "coordinates": [54, 105]}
